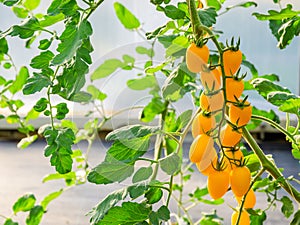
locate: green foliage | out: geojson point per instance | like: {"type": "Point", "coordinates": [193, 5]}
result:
{"type": "Point", "coordinates": [24, 203]}
{"type": "Point", "coordinates": [128, 20]}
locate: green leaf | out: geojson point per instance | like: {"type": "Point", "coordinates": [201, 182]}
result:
{"type": "Point", "coordinates": [27, 29]}
{"type": "Point", "coordinates": [62, 161]}
{"type": "Point", "coordinates": [208, 16]}
{"type": "Point", "coordinates": [154, 69]}
{"type": "Point", "coordinates": [288, 31]}
{"type": "Point", "coordinates": [163, 213]}
{"type": "Point", "coordinates": [142, 83]}
{"type": "Point", "coordinates": [127, 214]}
{"type": "Point", "coordinates": [69, 7]}
{"type": "Point", "coordinates": [106, 204]}
{"type": "Point", "coordinates": [173, 12]}
{"type": "Point", "coordinates": [287, 206]}
{"type": "Point", "coordinates": [278, 98]}
{"type": "Point", "coordinates": [219, 201]}
{"type": "Point", "coordinates": [258, 218]}
{"type": "Point", "coordinates": [42, 61]}
{"type": "Point", "coordinates": [184, 119]}
{"type": "Point", "coordinates": [41, 105]}
{"type": "Point", "coordinates": [215, 4]}
{"type": "Point", "coordinates": [291, 105]}
{"type": "Point", "coordinates": [10, 2]}
{"type": "Point", "coordinates": [127, 150]}
{"type": "Point", "coordinates": [81, 97]}
{"type": "Point", "coordinates": [275, 15]}
{"type": "Point", "coordinates": [178, 46]}
{"type": "Point", "coordinates": [31, 4]}
{"type": "Point", "coordinates": [20, 80]}
{"type": "Point", "coordinates": [251, 67]}
{"type": "Point", "coordinates": [45, 202]}
{"type": "Point", "coordinates": [108, 67]}
{"type": "Point", "coordinates": [128, 20]}
{"type": "Point", "coordinates": [9, 222]}
{"type": "Point", "coordinates": [20, 12]}
{"type": "Point", "coordinates": [35, 215]}
{"type": "Point", "coordinates": [49, 20]}
{"type": "Point", "coordinates": [3, 46]}
{"type": "Point", "coordinates": [177, 84]}
{"type": "Point", "coordinates": [25, 142]}
{"type": "Point", "coordinates": [153, 195]}
{"type": "Point", "coordinates": [58, 176]}
{"type": "Point", "coordinates": [170, 164]}
{"type": "Point", "coordinates": [155, 107]}
{"type": "Point", "coordinates": [296, 219]}
{"type": "Point", "coordinates": [131, 131]}
{"type": "Point", "coordinates": [137, 190]}
{"type": "Point", "coordinates": [144, 51]}
{"type": "Point", "coordinates": [110, 172]}
{"type": "Point", "coordinates": [253, 162]}
{"type": "Point", "coordinates": [24, 204]}
{"type": "Point", "coordinates": [143, 173]}
{"type": "Point", "coordinates": [153, 218]}
{"type": "Point", "coordinates": [296, 154]}
{"type": "Point", "coordinates": [36, 83]}
{"type": "Point", "coordinates": [96, 93]}
{"type": "Point", "coordinates": [128, 59]}
{"type": "Point", "coordinates": [62, 110]}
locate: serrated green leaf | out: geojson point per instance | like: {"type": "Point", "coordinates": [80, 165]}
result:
{"type": "Point", "coordinates": [45, 202]}
{"type": "Point", "coordinates": [278, 97]}
{"type": "Point", "coordinates": [9, 222]}
{"type": "Point", "coordinates": [128, 20]}
{"type": "Point", "coordinates": [26, 30]}
{"type": "Point", "coordinates": [110, 172]}
{"type": "Point", "coordinates": [265, 86]}
{"type": "Point", "coordinates": [24, 204]}
{"type": "Point", "coordinates": [142, 83]}
{"type": "Point", "coordinates": [296, 219]}
{"type": "Point", "coordinates": [106, 204]}
{"type": "Point", "coordinates": [20, 80]}
{"type": "Point", "coordinates": [127, 214]}
{"type": "Point", "coordinates": [31, 4]}
{"type": "Point", "coordinates": [153, 195]}
{"type": "Point", "coordinates": [291, 105]}
{"type": "Point", "coordinates": [131, 131]}
{"type": "Point", "coordinates": [208, 16]}
{"type": "Point", "coordinates": [170, 164]}
{"type": "Point", "coordinates": [142, 174]}
{"type": "Point", "coordinates": [25, 142]}
{"type": "Point", "coordinates": [106, 68]}
{"type": "Point", "coordinates": [127, 150]}
{"type": "Point", "coordinates": [35, 215]}
{"type": "Point", "coordinates": [42, 61]}
{"type": "Point", "coordinates": [36, 83]}
{"type": "Point", "coordinates": [155, 107]}
{"type": "Point", "coordinates": [275, 15]}
{"type": "Point", "coordinates": [287, 206]}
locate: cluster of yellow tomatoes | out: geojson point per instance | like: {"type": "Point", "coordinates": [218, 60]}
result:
{"type": "Point", "coordinates": [217, 128]}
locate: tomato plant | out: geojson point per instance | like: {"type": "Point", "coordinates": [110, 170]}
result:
{"type": "Point", "coordinates": [150, 158]}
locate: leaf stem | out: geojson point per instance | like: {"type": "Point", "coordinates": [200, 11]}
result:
{"type": "Point", "coordinates": [270, 166]}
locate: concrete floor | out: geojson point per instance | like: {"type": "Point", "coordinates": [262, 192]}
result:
{"type": "Point", "coordinates": [22, 172]}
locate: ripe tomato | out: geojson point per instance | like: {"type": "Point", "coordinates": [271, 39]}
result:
{"type": "Point", "coordinates": [212, 103]}
{"type": "Point", "coordinates": [244, 219]}
{"type": "Point", "coordinates": [200, 146]}
{"type": "Point", "coordinates": [211, 79]}
{"type": "Point", "coordinates": [218, 183]}
{"type": "Point", "coordinates": [205, 165]}
{"type": "Point", "coordinates": [202, 124]}
{"type": "Point", "coordinates": [240, 178]}
{"type": "Point", "coordinates": [200, 5]}
{"type": "Point", "coordinates": [232, 61]}
{"type": "Point", "coordinates": [234, 88]}
{"type": "Point", "coordinates": [229, 136]}
{"type": "Point", "coordinates": [249, 201]}
{"type": "Point", "coordinates": [196, 57]}
{"type": "Point", "coordinates": [240, 116]}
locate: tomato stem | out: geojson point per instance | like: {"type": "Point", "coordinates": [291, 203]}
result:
{"type": "Point", "coordinates": [196, 22]}
{"type": "Point", "coordinates": [270, 166]}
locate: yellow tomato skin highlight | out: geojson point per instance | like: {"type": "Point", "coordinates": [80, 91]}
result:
{"type": "Point", "coordinates": [232, 61]}
{"type": "Point", "coordinates": [217, 184]}
{"type": "Point", "coordinates": [240, 178]}
{"type": "Point", "coordinates": [199, 147]}
{"type": "Point", "coordinates": [240, 116]}
{"type": "Point", "coordinates": [202, 124]}
{"type": "Point", "coordinates": [196, 57]}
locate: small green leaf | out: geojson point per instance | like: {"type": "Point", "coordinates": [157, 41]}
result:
{"type": "Point", "coordinates": [108, 67]}
{"type": "Point", "coordinates": [173, 12]}
{"type": "Point", "coordinates": [41, 105]}
{"type": "Point", "coordinates": [275, 15]}
{"type": "Point", "coordinates": [208, 16]}
{"type": "Point", "coordinates": [36, 83]}
{"type": "Point", "coordinates": [31, 4]}
{"type": "Point", "coordinates": [154, 195]}
{"type": "Point", "coordinates": [142, 83]}
{"type": "Point", "coordinates": [199, 193]}
{"type": "Point", "coordinates": [9, 222]}
{"type": "Point", "coordinates": [25, 142]}
{"type": "Point", "coordinates": [215, 4]}
{"type": "Point", "coordinates": [110, 172]}
{"type": "Point", "coordinates": [24, 204]}
{"type": "Point", "coordinates": [106, 204]}
{"type": "Point", "coordinates": [81, 97]}
{"type": "Point", "coordinates": [131, 131]}
{"type": "Point", "coordinates": [144, 51]}
{"type": "Point", "coordinates": [44, 44]}
{"type": "Point", "coordinates": [10, 2]}
{"type": "Point", "coordinates": [170, 164]}
{"type": "Point", "coordinates": [278, 97]}
{"type": "Point", "coordinates": [62, 111]}
{"type": "Point", "coordinates": [153, 218]}
{"type": "Point", "coordinates": [253, 162]}
{"type": "Point", "coordinates": [258, 217]}
{"type": "Point", "coordinates": [287, 206]}
{"type": "Point", "coordinates": [291, 105]}
{"type": "Point", "coordinates": [163, 213]}
{"type": "Point", "coordinates": [96, 93]}
{"type": "Point", "coordinates": [20, 12]}
{"type": "Point", "coordinates": [142, 174]}
{"type": "Point", "coordinates": [58, 176]}
{"type": "Point", "coordinates": [12, 119]}
{"type": "Point", "coordinates": [155, 107]}
{"type": "Point", "coordinates": [178, 46]}
{"type": "Point", "coordinates": [296, 154]}
{"type": "Point", "coordinates": [20, 80]}
{"type": "Point", "coordinates": [45, 202]}
{"type": "Point", "coordinates": [137, 190]}
{"type": "Point", "coordinates": [183, 119]}
{"type": "Point", "coordinates": [128, 20]}
{"type": "Point", "coordinates": [126, 214]}
{"type": "Point", "coordinates": [27, 29]}
{"type": "Point", "coordinates": [35, 215]}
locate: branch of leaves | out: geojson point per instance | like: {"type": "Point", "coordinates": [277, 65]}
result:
{"type": "Point", "coordinates": [27, 203]}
